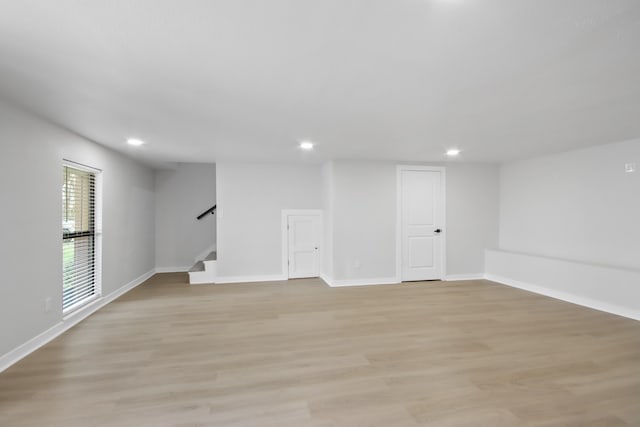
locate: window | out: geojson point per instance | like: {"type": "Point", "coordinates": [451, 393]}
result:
{"type": "Point", "coordinates": [80, 240]}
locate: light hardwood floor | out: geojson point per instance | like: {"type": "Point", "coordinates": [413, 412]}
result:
{"type": "Point", "coordinates": [299, 353]}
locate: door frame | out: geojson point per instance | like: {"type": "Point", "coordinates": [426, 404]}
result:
{"type": "Point", "coordinates": [286, 213]}
{"type": "Point", "coordinates": [443, 235]}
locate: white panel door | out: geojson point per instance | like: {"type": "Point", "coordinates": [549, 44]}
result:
{"type": "Point", "coordinates": [303, 235]}
{"type": "Point", "coordinates": [422, 216]}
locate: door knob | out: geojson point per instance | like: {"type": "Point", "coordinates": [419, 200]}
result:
{"type": "Point", "coordinates": [437, 231]}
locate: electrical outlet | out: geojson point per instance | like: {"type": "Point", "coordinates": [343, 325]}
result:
{"type": "Point", "coordinates": [630, 167]}
{"type": "Point", "coordinates": [47, 304]}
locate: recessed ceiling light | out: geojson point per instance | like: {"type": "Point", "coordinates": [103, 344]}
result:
{"type": "Point", "coordinates": [135, 142]}
{"type": "Point", "coordinates": [453, 152]}
{"type": "Point", "coordinates": [306, 145]}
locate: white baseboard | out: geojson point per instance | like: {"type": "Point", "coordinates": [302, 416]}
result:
{"type": "Point", "coordinates": [568, 297]}
{"type": "Point", "coordinates": [251, 279]}
{"type": "Point", "coordinates": [172, 269]}
{"type": "Point", "coordinates": [458, 277]}
{"type": "Point", "coordinates": [606, 288]}
{"type": "Point", "coordinates": [359, 282]}
{"type": "Point", "coordinates": [30, 346]}
{"type": "Point", "coordinates": [326, 279]}
{"type": "Point", "coordinates": [391, 280]}
{"type": "Point", "coordinates": [67, 323]}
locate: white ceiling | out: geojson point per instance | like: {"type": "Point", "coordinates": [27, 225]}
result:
{"type": "Point", "coordinates": [204, 80]}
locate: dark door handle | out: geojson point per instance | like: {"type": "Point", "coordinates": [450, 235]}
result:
{"type": "Point", "coordinates": [437, 231]}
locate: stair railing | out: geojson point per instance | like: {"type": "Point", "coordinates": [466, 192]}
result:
{"type": "Point", "coordinates": [211, 210]}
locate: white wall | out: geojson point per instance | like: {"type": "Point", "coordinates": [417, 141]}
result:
{"type": "Point", "coordinates": [327, 206]}
{"type": "Point", "coordinates": [472, 217]}
{"type": "Point", "coordinates": [251, 197]}
{"type": "Point", "coordinates": [363, 210]}
{"type": "Point", "coordinates": [182, 193]}
{"type": "Point", "coordinates": [578, 206]}
{"type": "Point", "coordinates": [364, 215]}
{"type": "Point", "coordinates": [359, 203]}
{"type": "Point", "coordinates": [31, 154]}
{"type": "Point", "coordinates": [570, 227]}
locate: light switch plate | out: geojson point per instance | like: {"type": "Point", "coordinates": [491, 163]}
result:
{"type": "Point", "coordinates": [630, 167]}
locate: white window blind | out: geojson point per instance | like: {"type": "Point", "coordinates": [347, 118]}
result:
{"type": "Point", "coordinates": [78, 237]}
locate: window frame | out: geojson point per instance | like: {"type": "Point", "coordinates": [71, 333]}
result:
{"type": "Point", "coordinates": [97, 234]}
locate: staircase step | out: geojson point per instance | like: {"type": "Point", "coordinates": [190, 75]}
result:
{"type": "Point", "coordinates": [212, 256]}
{"type": "Point", "coordinates": [199, 266]}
